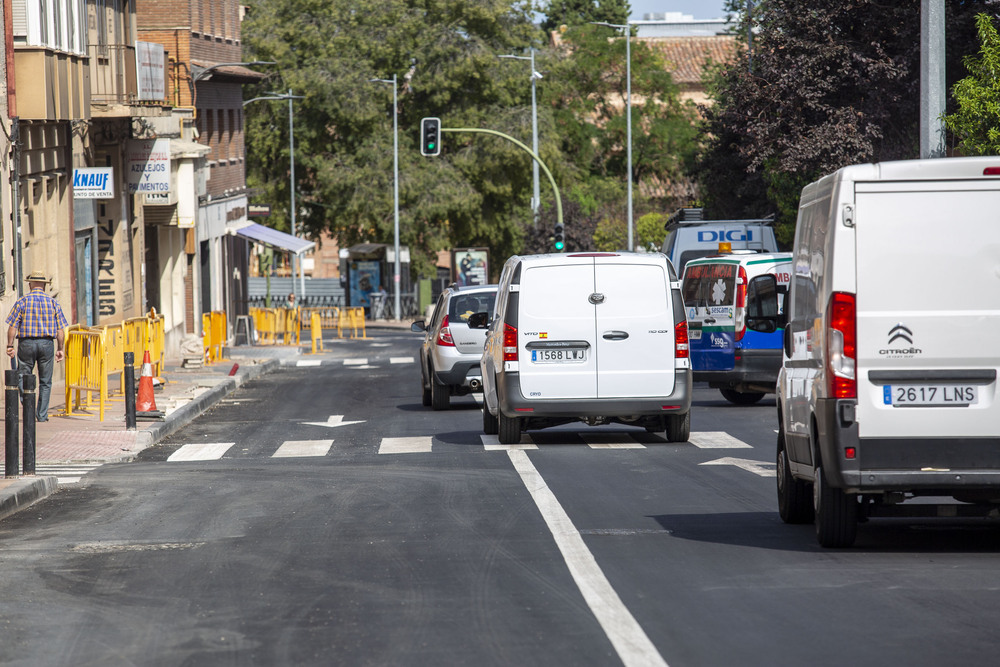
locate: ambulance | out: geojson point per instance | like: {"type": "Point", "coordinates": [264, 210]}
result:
{"type": "Point", "coordinates": [734, 302]}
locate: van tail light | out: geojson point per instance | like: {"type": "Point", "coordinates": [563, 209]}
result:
{"type": "Point", "coordinates": [681, 348]}
{"type": "Point", "coordinates": [841, 346]}
{"type": "Point", "coordinates": [509, 343]}
{"type": "Point", "coordinates": [444, 338]}
{"type": "Point", "coordinates": [741, 304]}
{"type": "Point", "coordinates": [991, 171]}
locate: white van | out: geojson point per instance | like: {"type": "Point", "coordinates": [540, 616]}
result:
{"type": "Point", "coordinates": [735, 314]}
{"type": "Point", "coordinates": [592, 337]}
{"type": "Point", "coordinates": [888, 387]}
{"type": "Point", "coordinates": [690, 237]}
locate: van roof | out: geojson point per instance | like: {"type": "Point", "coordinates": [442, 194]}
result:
{"type": "Point", "coordinates": [937, 169]}
{"type": "Point", "coordinates": [745, 258]}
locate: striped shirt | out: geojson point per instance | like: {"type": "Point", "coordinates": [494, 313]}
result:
{"type": "Point", "coordinates": [37, 315]}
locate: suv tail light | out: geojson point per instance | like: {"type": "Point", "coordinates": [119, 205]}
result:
{"type": "Point", "coordinates": [741, 304]}
{"type": "Point", "coordinates": [509, 343]}
{"type": "Point", "coordinates": [841, 346]}
{"type": "Point", "coordinates": [444, 338]}
{"type": "Point", "coordinates": [681, 348]}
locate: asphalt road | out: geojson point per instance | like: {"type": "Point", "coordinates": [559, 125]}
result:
{"type": "Point", "coordinates": [320, 515]}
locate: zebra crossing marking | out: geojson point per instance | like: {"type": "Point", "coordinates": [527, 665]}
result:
{"type": "Point", "coordinates": [355, 362]}
{"type": "Point", "coordinates": [420, 444]}
{"type": "Point", "coordinates": [309, 362]}
{"type": "Point", "coordinates": [66, 473]}
{"type": "Point", "coordinates": [716, 440]}
{"type": "Point", "coordinates": [303, 448]}
{"type": "Point", "coordinates": [206, 451]}
{"type": "Point", "coordinates": [401, 360]}
{"type": "Point", "coordinates": [491, 443]}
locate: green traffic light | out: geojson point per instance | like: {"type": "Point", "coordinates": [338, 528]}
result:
{"type": "Point", "coordinates": [430, 146]}
{"type": "Point", "coordinates": [560, 245]}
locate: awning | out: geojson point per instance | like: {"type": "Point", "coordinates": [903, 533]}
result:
{"type": "Point", "coordinates": [272, 237]}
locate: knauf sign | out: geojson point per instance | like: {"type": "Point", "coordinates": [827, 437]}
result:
{"type": "Point", "coordinates": [94, 183]}
{"type": "Point", "coordinates": [148, 165]}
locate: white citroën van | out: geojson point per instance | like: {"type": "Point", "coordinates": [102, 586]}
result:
{"type": "Point", "coordinates": [888, 386]}
{"type": "Point", "coordinates": [592, 337]}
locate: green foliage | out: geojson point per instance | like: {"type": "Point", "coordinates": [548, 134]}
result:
{"type": "Point", "coordinates": [579, 12]}
{"type": "Point", "coordinates": [647, 235]}
{"type": "Point", "coordinates": [827, 84]}
{"type": "Point", "coordinates": [977, 122]}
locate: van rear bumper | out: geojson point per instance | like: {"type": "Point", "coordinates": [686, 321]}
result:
{"type": "Point", "coordinates": [901, 464]}
{"type": "Point", "coordinates": [755, 370]}
{"type": "Point", "coordinates": [513, 404]}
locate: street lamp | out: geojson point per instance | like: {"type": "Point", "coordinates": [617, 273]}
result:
{"type": "Point", "coordinates": [536, 196]}
{"type": "Point", "coordinates": [395, 190]}
{"type": "Point", "coordinates": [628, 116]}
{"type": "Point", "coordinates": [291, 159]}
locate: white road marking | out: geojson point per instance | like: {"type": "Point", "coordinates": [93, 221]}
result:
{"type": "Point", "coordinates": [401, 360]}
{"type": "Point", "coordinates": [309, 362]}
{"type": "Point", "coordinates": [420, 444]}
{"type": "Point", "coordinates": [756, 467]}
{"type": "Point", "coordinates": [478, 398]}
{"type": "Point", "coordinates": [66, 473]}
{"type": "Point", "coordinates": [627, 636]}
{"type": "Point", "coordinates": [611, 441]}
{"type": "Point", "coordinates": [334, 421]}
{"type": "Point", "coordinates": [355, 362]}
{"type": "Point", "coordinates": [207, 451]}
{"type": "Point", "coordinates": [303, 448]}
{"type": "Point", "coordinates": [492, 443]}
{"type": "Point", "coordinates": [716, 440]}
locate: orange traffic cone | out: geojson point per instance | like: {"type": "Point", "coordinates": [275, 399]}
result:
{"type": "Point", "coordinates": [145, 402]}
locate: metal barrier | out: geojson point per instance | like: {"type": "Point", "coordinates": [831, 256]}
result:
{"type": "Point", "coordinates": [213, 334]}
{"type": "Point", "coordinates": [94, 353]}
{"type": "Point", "coordinates": [316, 332]}
{"type": "Point", "coordinates": [86, 367]}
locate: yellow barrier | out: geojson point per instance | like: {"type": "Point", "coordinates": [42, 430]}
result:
{"type": "Point", "coordinates": [213, 335]}
{"type": "Point", "coordinates": [86, 370]}
{"type": "Point", "coordinates": [351, 318]}
{"type": "Point", "coordinates": [316, 331]}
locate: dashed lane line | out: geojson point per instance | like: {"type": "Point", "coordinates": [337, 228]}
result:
{"type": "Point", "coordinates": [716, 440]}
{"type": "Point", "coordinates": [412, 445]}
{"type": "Point", "coordinates": [207, 451]}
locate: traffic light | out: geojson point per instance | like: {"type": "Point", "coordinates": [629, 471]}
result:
{"type": "Point", "coordinates": [559, 239]}
{"type": "Point", "coordinates": [430, 136]}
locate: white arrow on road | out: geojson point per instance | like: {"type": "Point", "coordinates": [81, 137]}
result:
{"type": "Point", "coordinates": [756, 467]}
{"type": "Point", "coordinates": [333, 421]}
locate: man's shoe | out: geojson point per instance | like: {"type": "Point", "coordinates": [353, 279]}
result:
{"type": "Point", "coordinates": [42, 420]}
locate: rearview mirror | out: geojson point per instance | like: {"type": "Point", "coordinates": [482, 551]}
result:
{"type": "Point", "coordinates": [418, 327]}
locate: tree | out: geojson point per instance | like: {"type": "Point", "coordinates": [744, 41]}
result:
{"type": "Point", "coordinates": [580, 12]}
{"type": "Point", "coordinates": [612, 235]}
{"type": "Point", "coordinates": [832, 83]}
{"type": "Point", "coordinates": [977, 122]}
{"type": "Point", "coordinates": [444, 56]}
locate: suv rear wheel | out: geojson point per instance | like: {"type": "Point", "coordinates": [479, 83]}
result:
{"type": "Point", "coordinates": [425, 389]}
{"type": "Point", "coordinates": [491, 425]}
{"type": "Point", "coordinates": [509, 429]}
{"type": "Point", "coordinates": [679, 427]}
{"type": "Point", "coordinates": [440, 396]}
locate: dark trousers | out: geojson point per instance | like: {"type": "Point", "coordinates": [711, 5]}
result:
{"type": "Point", "coordinates": [41, 351]}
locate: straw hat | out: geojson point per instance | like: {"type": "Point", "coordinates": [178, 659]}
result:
{"type": "Point", "coordinates": [37, 276]}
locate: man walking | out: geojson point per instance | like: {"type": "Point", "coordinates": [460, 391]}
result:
{"type": "Point", "coordinates": [37, 322]}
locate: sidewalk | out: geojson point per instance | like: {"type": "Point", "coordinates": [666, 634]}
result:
{"type": "Point", "coordinates": [184, 394]}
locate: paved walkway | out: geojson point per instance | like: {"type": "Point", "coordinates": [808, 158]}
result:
{"type": "Point", "coordinates": [184, 393]}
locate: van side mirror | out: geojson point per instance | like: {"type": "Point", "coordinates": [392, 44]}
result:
{"type": "Point", "coordinates": [479, 321]}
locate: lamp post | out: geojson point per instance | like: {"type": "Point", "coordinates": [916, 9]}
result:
{"type": "Point", "coordinates": [291, 160]}
{"type": "Point", "coordinates": [395, 192]}
{"type": "Point", "coordinates": [536, 196]}
{"type": "Point", "coordinates": [628, 115]}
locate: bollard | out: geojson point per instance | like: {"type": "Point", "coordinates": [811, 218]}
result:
{"type": "Point", "coordinates": [130, 391]}
{"type": "Point", "coordinates": [232, 371]}
{"type": "Point", "coordinates": [10, 414]}
{"type": "Point", "coordinates": [28, 400]}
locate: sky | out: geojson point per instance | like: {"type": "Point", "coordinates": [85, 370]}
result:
{"type": "Point", "coordinates": [699, 9]}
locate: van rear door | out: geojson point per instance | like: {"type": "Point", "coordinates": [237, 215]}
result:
{"type": "Point", "coordinates": [557, 351]}
{"type": "Point", "coordinates": [709, 293]}
{"type": "Point", "coordinates": [928, 308]}
{"type": "Point", "coordinates": [635, 329]}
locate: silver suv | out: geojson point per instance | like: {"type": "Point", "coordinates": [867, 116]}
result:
{"type": "Point", "coordinates": [450, 353]}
